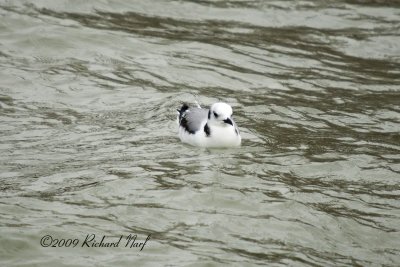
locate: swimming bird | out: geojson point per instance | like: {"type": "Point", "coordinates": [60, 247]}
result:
{"type": "Point", "coordinates": [212, 127]}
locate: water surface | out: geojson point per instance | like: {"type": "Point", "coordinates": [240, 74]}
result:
{"type": "Point", "coordinates": [88, 140]}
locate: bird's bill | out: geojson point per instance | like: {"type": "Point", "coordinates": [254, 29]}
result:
{"type": "Point", "coordinates": [228, 121]}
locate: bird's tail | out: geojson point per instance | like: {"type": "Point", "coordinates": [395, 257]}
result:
{"type": "Point", "coordinates": [182, 111]}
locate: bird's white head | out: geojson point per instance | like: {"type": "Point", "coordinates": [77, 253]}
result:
{"type": "Point", "coordinates": [220, 113]}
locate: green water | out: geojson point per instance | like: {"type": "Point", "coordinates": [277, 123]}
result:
{"type": "Point", "coordinates": [89, 146]}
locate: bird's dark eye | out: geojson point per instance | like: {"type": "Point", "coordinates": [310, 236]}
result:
{"type": "Point", "coordinates": [215, 114]}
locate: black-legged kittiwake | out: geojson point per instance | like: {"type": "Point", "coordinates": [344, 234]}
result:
{"type": "Point", "coordinates": [212, 127]}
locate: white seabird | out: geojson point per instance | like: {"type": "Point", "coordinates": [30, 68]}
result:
{"type": "Point", "coordinates": [212, 127]}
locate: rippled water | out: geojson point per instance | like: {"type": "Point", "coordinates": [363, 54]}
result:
{"type": "Point", "coordinates": [88, 141]}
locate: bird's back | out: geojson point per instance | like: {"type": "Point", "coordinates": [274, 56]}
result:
{"type": "Point", "coordinates": [191, 119]}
